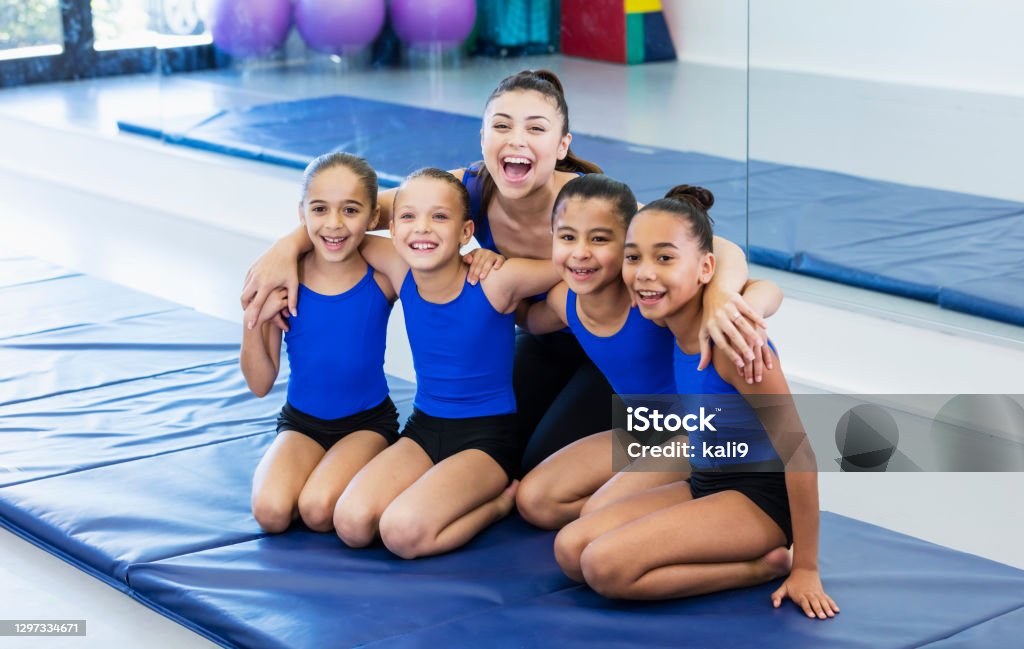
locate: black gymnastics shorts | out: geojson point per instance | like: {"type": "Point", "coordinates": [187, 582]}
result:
{"type": "Point", "coordinates": [382, 419]}
{"type": "Point", "coordinates": [766, 489]}
{"type": "Point", "coordinates": [441, 437]}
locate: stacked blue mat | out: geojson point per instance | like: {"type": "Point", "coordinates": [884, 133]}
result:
{"type": "Point", "coordinates": [960, 251]}
{"type": "Point", "coordinates": [127, 446]}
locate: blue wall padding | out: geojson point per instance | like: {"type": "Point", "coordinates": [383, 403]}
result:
{"type": "Point", "coordinates": [821, 223]}
{"type": "Point", "coordinates": [987, 296]}
{"type": "Point", "coordinates": [89, 356]}
{"type": "Point", "coordinates": [71, 301]}
{"type": "Point", "coordinates": [933, 261]}
{"type": "Point", "coordinates": [127, 448]}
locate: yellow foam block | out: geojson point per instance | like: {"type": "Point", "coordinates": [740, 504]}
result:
{"type": "Point", "coordinates": [642, 6]}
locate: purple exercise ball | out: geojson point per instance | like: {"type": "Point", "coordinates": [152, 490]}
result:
{"type": "Point", "coordinates": [338, 26]}
{"type": "Point", "coordinates": [427, 22]}
{"type": "Point", "coordinates": [250, 27]}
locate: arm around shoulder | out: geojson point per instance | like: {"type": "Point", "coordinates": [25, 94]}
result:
{"type": "Point", "coordinates": [518, 279]}
{"type": "Point", "coordinates": [548, 315]}
{"type": "Point", "coordinates": [379, 252]}
{"type": "Point", "coordinates": [764, 296]}
{"type": "Point", "coordinates": [731, 270]}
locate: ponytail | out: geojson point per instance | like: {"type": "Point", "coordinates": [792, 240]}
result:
{"type": "Point", "coordinates": [548, 84]}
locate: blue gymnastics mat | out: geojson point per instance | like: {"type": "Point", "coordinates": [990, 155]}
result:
{"type": "Point", "coordinates": [878, 235]}
{"type": "Point", "coordinates": [137, 470]}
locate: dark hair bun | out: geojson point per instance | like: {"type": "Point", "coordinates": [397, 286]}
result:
{"type": "Point", "coordinates": [550, 77]}
{"type": "Point", "coordinates": [698, 196]}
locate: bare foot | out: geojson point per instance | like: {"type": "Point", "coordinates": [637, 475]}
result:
{"type": "Point", "coordinates": [507, 499]}
{"type": "Point", "coordinates": [775, 564]}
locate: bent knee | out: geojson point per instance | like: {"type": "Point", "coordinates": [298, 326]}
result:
{"type": "Point", "coordinates": [406, 535]}
{"type": "Point", "coordinates": [603, 571]}
{"type": "Point", "coordinates": [355, 524]}
{"type": "Point", "coordinates": [569, 546]}
{"type": "Point", "coordinates": [316, 511]}
{"type": "Point", "coordinates": [273, 515]}
{"type": "Point", "coordinates": [536, 505]}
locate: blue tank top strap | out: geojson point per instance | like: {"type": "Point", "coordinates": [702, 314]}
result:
{"type": "Point", "coordinates": [477, 210]}
{"type": "Point", "coordinates": [637, 359]}
{"type": "Point", "coordinates": [328, 380]}
{"type": "Point", "coordinates": [735, 420]}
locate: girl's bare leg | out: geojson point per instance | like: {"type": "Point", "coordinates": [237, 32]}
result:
{"type": "Point", "coordinates": [450, 504]}
{"type": "Point", "coordinates": [706, 545]}
{"type": "Point", "coordinates": [279, 478]}
{"type": "Point", "coordinates": [358, 512]}
{"type": "Point", "coordinates": [332, 474]}
{"type": "Point", "coordinates": [554, 492]}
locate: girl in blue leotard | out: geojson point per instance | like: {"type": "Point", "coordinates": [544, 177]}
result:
{"type": "Point", "coordinates": [452, 471]}
{"type": "Point", "coordinates": [338, 414]}
{"type": "Point", "coordinates": [716, 530]}
{"type": "Point", "coordinates": [527, 158]}
{"type": "Point", "coordinates": [634, 353]}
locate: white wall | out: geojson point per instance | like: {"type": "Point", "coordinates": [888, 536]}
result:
{"type": "Point", "coordinates": [965, 44]}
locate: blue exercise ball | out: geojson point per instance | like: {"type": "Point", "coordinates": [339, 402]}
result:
{"type": "Point", "coordinates": [246, 28]}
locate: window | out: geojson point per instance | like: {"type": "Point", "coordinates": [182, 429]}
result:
{"type": "Point", "coordinates": [56, 40]}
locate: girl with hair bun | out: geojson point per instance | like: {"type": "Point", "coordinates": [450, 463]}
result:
{"type": "Point", "coordinates": [634, 353]}
{"type": "Point", "coordinates": [527, 159]}
{"type": "Point", "coordinates": [728, 523]}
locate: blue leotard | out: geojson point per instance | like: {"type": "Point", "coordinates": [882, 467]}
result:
{"type": "Point", "coordinates": [636, 359]}
{"type": "Point", "coordinates": [462, 352]}
{"type": "Point", "coordinates": [737, 422]}
{"type": "Point", "coordinates": [335, 349]}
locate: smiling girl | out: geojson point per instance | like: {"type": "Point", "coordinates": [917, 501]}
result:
{"type": "Point", "coordinates": [338, 413]}
{"type": "Point", "coordinates": [451, 472]}
{"type": "Point", "coordinates": [722, 526]}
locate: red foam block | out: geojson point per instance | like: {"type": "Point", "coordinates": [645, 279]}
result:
{"type": "Point", "coordinates": [594, 29]}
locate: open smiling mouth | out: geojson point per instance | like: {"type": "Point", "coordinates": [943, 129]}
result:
{"type": "Point", "coordinates": [334, 243]}
{"type": "Point", "coordinates": [423, 246]}
{"type": "Point", "coordinates": [649, 297]}
{"type": "Point", "coordinates": [516, 168]}
{"type": "Point", "coordinates": [582, 273]}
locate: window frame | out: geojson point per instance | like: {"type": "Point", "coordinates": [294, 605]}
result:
{"type": "Point", "coordinates": [81, 60]}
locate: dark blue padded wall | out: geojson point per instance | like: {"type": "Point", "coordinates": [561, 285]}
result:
{"type": "Point", "coordinates": [878, 235]}
{"type": "Point", "coordinates": [137, 470]}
